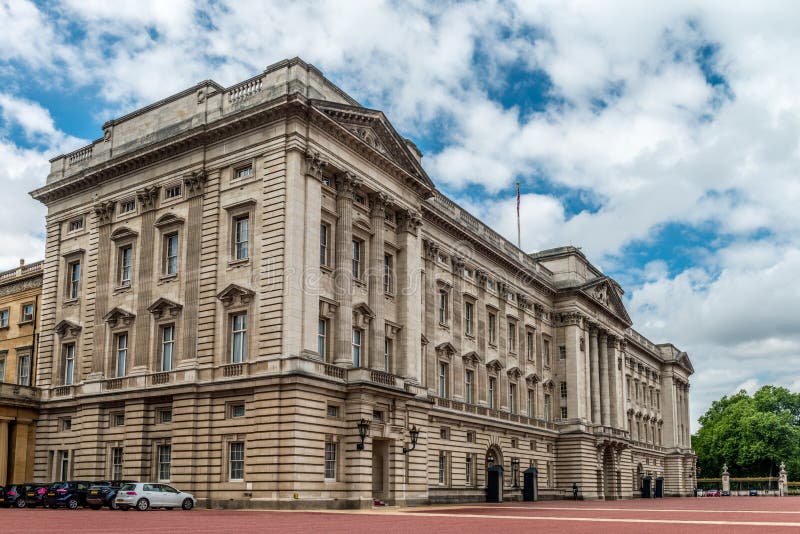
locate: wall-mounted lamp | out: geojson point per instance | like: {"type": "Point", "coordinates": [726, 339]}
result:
{"type": "Point", "coordinates": [414, 431]}
{"type": "Point", "coordinates": [363, 432]}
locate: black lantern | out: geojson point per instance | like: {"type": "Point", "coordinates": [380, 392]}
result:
{"type": "Point", "coordinates": [414, 431]}
{"type": "Point", "coordinates": [489, 461]}
{"type": "Point", "coordinates": [363, 432]}
{"type": "Point", "coordinates": [515, 471]}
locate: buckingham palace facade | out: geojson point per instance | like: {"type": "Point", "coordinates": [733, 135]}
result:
{"type": "Point", "coordinates": [240, 283]}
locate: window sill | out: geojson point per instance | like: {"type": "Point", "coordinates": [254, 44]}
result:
{"type": "Point", "coordinates": [327, 269]}
{"type": "Point", "coordinates": [359, 282]}
{"type": "Point", "coordinates": [23, 323]}
{"type": "Point", "coordinates": [235, 264]}
{"type": "Point", "coordinates": [168, 278]}
{"type": "Point", "coordinates": [493, 345]}
{"type": "Point", "coordinates": [122, 289]}
{"type": "Point", "coordinates": [470, 336]}
{"type": "Point", "coordinates": [4, 327]}
{"type": "Point", "coordinates": [444, 325]}
{"type": "Point", "coordinates": [70, 302]}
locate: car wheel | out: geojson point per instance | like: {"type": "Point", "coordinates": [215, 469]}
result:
{"type": "Point", "coordinates": [113, 505]}
{"type": "Point", "coordinates": [143, 505]}
{"type": "Point", "coordinates": [72, 504]}
{"type": "Point", "coordinates": [94, 507]}
{"type": "Point", "coordinates": [20, 503]}
{"type": "Point", "coordinates": [187, 504]}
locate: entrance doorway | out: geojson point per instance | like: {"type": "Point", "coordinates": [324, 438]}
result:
{"type": "Point", "coordinates": [380, 470]}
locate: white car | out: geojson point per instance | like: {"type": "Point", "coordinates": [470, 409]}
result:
{"type": "Point", "coordinates": [146, 495]}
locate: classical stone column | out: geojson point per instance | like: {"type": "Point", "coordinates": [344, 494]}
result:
{"type": "Point", "coordinates": [3, 452]}
{"type": "Point", "coordinates": [346, 183]}
{"type": "Point", "coordinates": [377, 334]}
{"type": "Point", "coordinates": [613, 396]}
{"type": "Point", "coordinates": [605, 405]}
{"type": "Point", "coordinates": [595, 372]}
{"type": "Point", "coordinates": [144, 281]}
{"type": "Point", "coordinates": [502, 347]}
{"type": "Point", "coordinates": [481, 277]}
{"type": "Point", "coordinates": [194, 186]}
{"type": "Point", "coordinates": [409, 277]}
{"type": "Point", "coordinates": [104, 213]}
{"type": "Point", "coordinates": [457, 328]}
{"type": "Point", "coordinates": [431, 251]}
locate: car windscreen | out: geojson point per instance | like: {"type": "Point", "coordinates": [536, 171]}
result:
{"type": "Point", "coordinates": [128, 487]}
{"type": "Point", "coordinates": [59, 485]}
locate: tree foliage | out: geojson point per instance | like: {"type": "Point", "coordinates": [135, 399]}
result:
{"type": "Point", "coordinates": [753, 435]}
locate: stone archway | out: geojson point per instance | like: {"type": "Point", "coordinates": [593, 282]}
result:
{"type": "Point", "coordinates": [494, 456]}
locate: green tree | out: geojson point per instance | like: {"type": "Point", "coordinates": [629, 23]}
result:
{"type": "Point", "coordinates": [753, 435]}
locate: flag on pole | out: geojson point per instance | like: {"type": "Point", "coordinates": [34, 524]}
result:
{"type": "Point", "coordinates": [519, 241]}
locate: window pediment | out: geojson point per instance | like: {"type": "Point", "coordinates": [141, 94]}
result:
{"type": "Point", "coordinates": [471, 358]}
{"type": "Point", "coordinates": [123, 233]}
{"type": "Point", "coordinates": [362, 315]}
{"type": "Point", "coordinates": [163, 307]}
{"type": "Point", "coordinates": [443, 285]}
{"type": "Point", "coordinates": [494, 366]}
{"type": "Point", "coordinates": [445, 350]}
{"type": "Point", "coordinates": [533, 378]}
{"type": "Point", "coordinates": [327, 308]}
{"type": "Point", "coordinates": [67, 328]}
{"type": "Point", "coordinates": [235, 294]}
{"type": "Point", "coordinates": [119, 316]}
{"type": "Point", "coordinates": [514, 372]}
{"type": "Point", "coordinates": [168, 219]}
{"type": "Point", "coordinates": [392, 329]}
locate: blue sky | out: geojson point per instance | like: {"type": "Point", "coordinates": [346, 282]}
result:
{"type": "Point", "coordinates": [662, 139]}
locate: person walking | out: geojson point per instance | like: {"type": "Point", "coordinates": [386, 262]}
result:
{"type": "Point", "coordinates": [575, 490]}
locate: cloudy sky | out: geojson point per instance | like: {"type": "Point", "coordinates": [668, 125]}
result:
{"type": "Point", "coordinates": [661, 137]}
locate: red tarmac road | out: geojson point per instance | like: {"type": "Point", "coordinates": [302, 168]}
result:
{"type": "Point", "coordinates": [729, 515]}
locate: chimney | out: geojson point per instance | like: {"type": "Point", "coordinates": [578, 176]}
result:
{"type": "Point", "coordinates": [22, 262]}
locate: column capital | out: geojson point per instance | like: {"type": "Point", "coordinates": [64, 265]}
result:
{"type": "Point", "coordinates": [409, 221]}
{"type": "Point", "coordinates": [431, 249]}
{"type": "Point", "coordinates": [378, 204]}
{"type": "Point", "coordinates": [104, 211]}
{"type": "Point", "coordinates": [594, 328]}
{"type": "Point", "coordinates": [194, 183]}
{"type": "Point", "coordinates": [346, 184]}
{"type": "Point", "coordinates": [458, 265]}
{"type": "Point", "coordinates": [315, 165]}
{"type": "Point", "coordinates": [147, 197]}
{"type": "Point", "coordinates": [603, 335]}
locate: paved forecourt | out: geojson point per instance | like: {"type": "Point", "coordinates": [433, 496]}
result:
{"type": "Point", "coordinates": [707, 515]}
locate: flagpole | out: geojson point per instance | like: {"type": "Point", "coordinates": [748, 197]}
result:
{"type": "Point", "coordinates": [519, 240]}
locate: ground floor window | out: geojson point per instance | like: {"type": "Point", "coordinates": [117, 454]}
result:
{"type": "Point", "coordinates": [116, 463]}
{"type": "Point", "coordinates": [236, 459]}
{"type": "Point", "coordinates": [164, 461]}
{"type": "Point", "coordinates": [330, 460]}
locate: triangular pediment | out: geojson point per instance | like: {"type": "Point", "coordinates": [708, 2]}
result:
{"type": "Point", "coordinates": [67, 328]}
{"type": "Point", "coordinates": [604, 292]}
{"type": "Point", "coordinates": [163, 307]}
{"type": "Point", "coordinates": [119, 315]}
{"type": "Point", "coordinates": [514, 372]}
{"type": "Point", "coordinates": [235, 294]}
{"type": "Point", "coordinates": [494, 365]}
{"type": "Point", "coordinates": [372, 129]}
{"type": "Point", "coordinates": [445, 349]}
{"type": "Point", "coordinates": [471, 358]}
{"type": "Point", "coordinates": [685, 362]}
{"type": "Point", "coordinates": [533, 378]}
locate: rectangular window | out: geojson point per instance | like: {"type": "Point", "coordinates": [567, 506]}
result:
{"type": "Point", "coordinates": [469, 386]}
{"type": "Point", "coordinates": [4, 318]}
{"type": "Point", "coordinates": [546, 351]}
{"type": "Point", "coordinates": [24, 370]}
{"type": "Point", "coordinates": [471, 436]}
{"type": "Point", "coordinates": [165, 416]}
{"type": "Point", "coordinates": [356, 257]}
{"type": "Point", "coordinates": [69, 363]}
{"type": "Point", "coordinates": [443, 375]}
{"type": "Point", "coordinates": [245, 171]}
{"type": "Point", "coordinates": [116, 463]}
{"type": "Point", "coordinates": [563, 390]}
{"type": "Point", "coordinates": [330, 460]}
{"type": "Point", "coordinates": [548, 407]}
{"type": "Point", "coordinates": [356, 347]}
{"type": "Point", "coordinates": [66, 424]}
{"type": "Point", "coordinates": [444, 433]}
{"type": "Point", "coordinates": [117, 419]}
{"type": "Point", "coordinates": [512, 336]}
{"type": "Point", "coordinates": [387, 355]}
{"type": "Point", "coordinates": [531, 400]}
{"type": "Point", "coordinates": [492, 328]}
{"type": "Point", "coordinates": [324, 244]}
{"type": "Point", "coordinates": [563, 412]}
{"type": "Point", "coordinates": [167, 347]}
{"type": "Point", "coordinates": [74, 273]}
{"type": "Point", "coordinates": [164, 461]}
{"type": "Point", "coordinates": [125, 265]}
{"type": "Point", "coordinates": [529, 345]}
{"type": "Point", "coordinates": [468, 318]}
{"type": "Point", "coordinates": [322, 339]}
{"type": "Point", "coordinates": [492, 393]}
{"type": "Point", "coordinates": [173, 191]}
{"type": "Point", "coordinates": [75, 225]}
{"type": "Point", "coordinates": [512, 398]}
{"type": "Point", "coordinates": [239, 338]}
{"type": "Point", "coordinates": [27, 313]}
{"type": "Point", "coordinates": [443, 305]}
{"type": "Point", "coordinates": [236, 455]}
{"type": "Point", "coordinates": [3, 367]}
{"type": "Point", "coordinates": [468, 470]}
{"type": "Point", "coordinates": [241, 237]}
{"type": "Point", "coordinates": [237, 410]}
{"type": "Point", "coordinates": [388, 273]}
{"type": "Point", "coordinates": [562, 352]}
{"type": "Point", "coordinates": [442, 468]}
{"type": "Point", "coordinates": [171, 254]}
{"type": "Point", "coordinates": [127, 206]}
{"type": "Point", "coordinates": [63, 463]}
{"type": "Point", "coordinates": [121, 354]}
{"type": "Point", "coordinates": [333, 411]}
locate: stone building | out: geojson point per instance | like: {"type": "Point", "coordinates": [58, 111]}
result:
{"type": "Point", "coordinates": [265, 266]}
{"type": "Point", "coordinates": [20, 296]}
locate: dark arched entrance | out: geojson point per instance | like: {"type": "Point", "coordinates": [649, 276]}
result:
{"type": "Point", "coordinates": [494, 474]}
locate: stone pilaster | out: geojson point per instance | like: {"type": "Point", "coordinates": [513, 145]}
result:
{"type": "Point", "coordinates": [3, 451]}
{"type": "Point", "coordinates": [194, 185]}
{"type": "Point", "coordinates": [431, 252]}
{"type": "Point", "coordinates": [346, 183]}
{"type": "Point", "coordinates": [481, 385]}
{"type": "Point", "coordinates": [605, 404]}
{"type": "Point", "coordinates": [104, 213]}
{"type": "Point", "coordinates": [613, 396]}
{"type": "Point", "coordinates": [457, 328]}
{"type": "Point", "coordinates": [410, 305]}
{"type": "Point", "coordinates": [595, 374]}
{"type": "Point", "coordinates": [377, 333]}
{"type": "Point", "coordinates": [502, 346]}
{"type": "Point", "coordinates": [144, 280]}
{"type": "Point", "coordinates": [315, 167]}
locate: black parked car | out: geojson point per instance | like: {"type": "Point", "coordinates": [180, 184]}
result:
{"type": "Point", "coordinates": [13, 495]}
{"type": "Point", "coordinates": [36, 495]}
{"type": "Point", "coordinates": [70, 494]}
{"type": "Point", "coordinates": [104, 493]}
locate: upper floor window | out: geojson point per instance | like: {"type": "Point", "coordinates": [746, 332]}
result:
{"type": "Point", "coordinates": [357, 257]}
{"type": "Point", "coordinates": [75, 225]}
{"type": "Point", "coordinates": [239, 338]}
{"type": "Point", "coordinates": [171, 254]}
{"type": "Point", "coordinates": [173, 191]}
{"type": "Point", "coordinates": [492, 328]}
{"type": "Point", "coordinates": [127, 206]}
{"type": "Point", "coordinates": [469, 386]}
{"type": "Point", "coordinates": [236, 457]}
{"type": "Point", "coordinates": [4, 318]}
{"type": "Point", "coordinates": [167, 347]}
{"type": "Point", "coordinates": [512, 398]}
{"type": "Point", "coordinates": [357, 335]}
{"type": "Point", "coordinates": [548, 407]}
{"type": "Point", "coordinates": [3, 366]}
{"type": "Point", "coordinates": [125, 265]}
{"type": "Point", "coordinates": [529, 340]}
{"type": "Point", "coordinates": [562, 352]}
{"type": "Point", "coordinates": [546, 351]}
{"type": "Point", "coordinates": [27, 313]}
{"type": "Point", "coordinates": [121, 354]}
{"type": "Point", "coordinates": [241, 237]}
{"type": "Point", "coordinates": [324, 244]}
{"type": "Point", "coordinates": [512, 336]}
{"type": "Point", "coordinates": [443, 306]}
{"type": "Point", "coordinates": [492, 393]}
{"type": "Point", "coordinates": [24, 369]}
{"type": "Point", "coordinates": [69, 364]}
{"type": "Point", "coordinates": [468, 318]}
{"type": "Point", "coordinates": [322, 338]}
{"type": "Point", "coordinates": [74, 279]}
{"type": "Point", "coordinates": [388, 273]}
{"type": "Point", "coordinates": [387, 355]}
{"type": "Point", "coordinates": [245, 171]}
{"type": "Point", "coordinates": [330, 459]}
{"type": "Point", "coordinates": [443, 380]}
{"type": "Point", "coordinates": [563, 390]}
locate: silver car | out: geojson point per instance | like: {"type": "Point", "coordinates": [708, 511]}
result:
{"type": "Point", "coordinates": [146, 495]}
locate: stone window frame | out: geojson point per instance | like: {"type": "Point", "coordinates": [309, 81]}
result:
{"type": "Point", "coordinates": [22, 319]}
{"type": "Point", "coordinates": [79, 222]}
{"type": "Point", "coordinates": [126, 202]}
{"type": "Point", "coordinates": [3, 360]}
{"type": "Point", "coordinates": [113, 414]}
{"type": "Point", "coordinates": [69, 259]}
{"type": "Point", "coordinates": [166, 199]}
{"type": "Point", "coordinates": [512, 326]}
{"type": "Point", "coordinates": [444, 433]}
{"type": "Point", "coordinates": [7, 309]}
{"type": "Point", "coordinates": [338, 407]}
{"type": "Point", "coordinates": [444, 477]}
{"type": "Point", "coordinates": [165, 313]}
{"type": "Point", "coordinates": [122, 238]}
{"type": "Point", "coordinates": [444, 310]}
{"type": "Point", "coordinates": [530, 343]}
{"type": "Point", "coordinates": [329, 244]}
{"type": "Point", "coordinates": [110, 446]}
{"type": "Point", "coordinates": [229, 441]}
{"type": "Point", "coordinates": [237, 300]}
{"type": "Point", "coordinates": [65, 424]}
{"type": "Point", "coordinates": [337, 461]}
{"type": "Point", "coordinates": [170, 225]}
{"type": "Point", "coordinates": [239, 165]}
{"type": "Point", "coordinates": [156, 455]}
{"type": "Point", "coordinates": [62, 361]}
{"type": "Point", "coordinates": [389, 274]}
{"type": "Point", "coordinates": [473, 303]}
{"type": "Point", "coordinates": [547, 358]}
{"type": "Point", "coordinates": [158, 414]}
{"type": "Point", "coordinates": [363, 254]}
{"type": "Point", "coordinates": [492, 333]}
{"type": "Point", "coordinates": [231, 405]}
{"type": "Point", "coordinates": [236, 211]}
{"type": "Point", "coordinates": [116, 333]}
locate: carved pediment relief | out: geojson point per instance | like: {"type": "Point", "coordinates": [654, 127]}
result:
{"type": "Point", "coordinates": [163, 307]}
{"type": "Point", "coordinates": [533, 379]}
{"type": "Point", "coordinates": [514, 372]}
{"type": "Point", "coordinates": [168, 219]}
{"type": "Point", "coordinates": [685, 362]}
{"type": "Point", "coordinates": [123, 233]}
{"type": "Point", "coordinates": [119, 317]}
{"type": "Point", "coordinates": [234, 295]}
{"type": "Point", "coordinates": [445, 350]}
{"type": "Point", "coordinates": [604, 292]}
{"type": "Point", "coordinates": [443, 284]}
{"type": "Point", "coordinates": [327, 308]}
{"type": "Point", "coordinates": [494, 366]}
{"type": "Point", "coordinates": [362, 315]}
{"type": "Point", "coordinates": [471, 358]}
{"type": "Point", "coordinates": [67, 328]}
